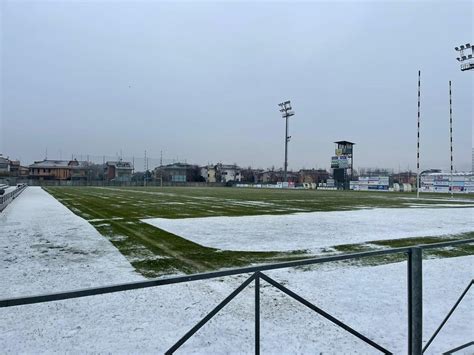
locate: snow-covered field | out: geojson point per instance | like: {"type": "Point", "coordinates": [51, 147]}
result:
{"type": "Point", "coordinates": [315, 230]}
{"type": "Point", "coordinates": [46, 248]}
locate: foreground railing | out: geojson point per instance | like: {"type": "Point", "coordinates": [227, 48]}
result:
{"type": "Point", "coordinates": [415, 289]}
{"type": "Point", "coordinates": [8, 197]}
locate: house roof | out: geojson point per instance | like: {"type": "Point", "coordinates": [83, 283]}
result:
{"type": "Point", "coordinates": [50, 164]}
{"type": "Point", "coordinates": [75, 164]}
{"type": "Point", "coordinates": [120, 164]}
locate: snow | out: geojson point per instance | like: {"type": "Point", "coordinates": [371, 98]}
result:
{"type": "Point", "coordinates": [315, 230]}
{"type": "Point", "coordinates": [45, 245]}
{"type": "Point", "coordinates": [372, 299]}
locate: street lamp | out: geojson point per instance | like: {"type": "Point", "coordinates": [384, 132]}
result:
{"type": "Point", "coordinates": [465, 56]}
{"type": "Point", "coordinates": [285, 109]}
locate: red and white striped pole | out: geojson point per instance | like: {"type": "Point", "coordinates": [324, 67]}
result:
{"type": "Point", "coordinates": [451, 138]}
{"type": "Point", "coordinates": [418, 142]}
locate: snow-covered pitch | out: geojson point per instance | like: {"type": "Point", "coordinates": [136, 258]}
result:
{"type": "Point", "coordinates": [45, 248]}
{"type": "Point", "coordinates": [315, 230]}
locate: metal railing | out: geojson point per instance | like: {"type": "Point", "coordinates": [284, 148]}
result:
{"type": "Point", "coordinates": [415, 289]}
{"type": "Point", "coordinates": [10, 196]}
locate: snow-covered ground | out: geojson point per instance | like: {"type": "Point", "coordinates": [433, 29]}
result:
{"type": "Point", "coordinates": [370, 299]}
{"type": "Point", "coordinates": [315, 230]}
{"type": "Point", "coordinates": [39, 241]}
{"type": "Point", "coordinates": [44, 246]}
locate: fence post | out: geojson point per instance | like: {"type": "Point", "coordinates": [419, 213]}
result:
{"type": "Point", "coordinates": [257, 313]}
{"type": "Point", "coordinates": [415, 301]}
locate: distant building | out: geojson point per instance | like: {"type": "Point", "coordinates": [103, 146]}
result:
{"type": "Point", "coordinates": [179, 172]}
{"type": "Point", "coordinates": [313, 176]}
{"type": "Point", "coordinates": [228, 173]}
{"type": "Point", "coordinates": [14, 168]}
{"type": "Point", "coordinates": [118, 171]}
{"type": "Point", "coordinates": [4, 166]}
{"type": "Point", "coordinates": [406, 177]}
{"type": "Point", "coordinates": [58, 169]}
{"type": "Point", "coordinates": [208, 173]}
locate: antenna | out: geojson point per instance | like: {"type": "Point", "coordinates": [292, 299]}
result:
{"type": "Point", "coordinates": [451, 138]}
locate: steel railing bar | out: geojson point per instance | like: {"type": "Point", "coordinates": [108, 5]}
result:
{"type": "Point", "coordinates": [323, 313]}
{"type": "Point", "coordinates": [9, 302]}
{"type": "Point", "coordinates": [449, 352]}
{"type": "Point", "coordinates": [209, 316]}
{"type": "Point", "coordinates": [257, 313]}
{"type": "Point", "coordinates": [415, 301]}
{"type": "Point", "coordinates": [447, 316]}
{"type": "Point", "coordinates": [443, 244]}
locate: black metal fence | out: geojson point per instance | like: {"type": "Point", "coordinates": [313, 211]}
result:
{"type": "Point", "coordinates": [414, 255]}
{"type": "Point", "coordinates": [10, 196]}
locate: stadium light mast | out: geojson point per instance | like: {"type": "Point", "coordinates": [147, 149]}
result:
{"type": "Point", "coordinates": [463, 57]}
{"type": "Point", "coordinates": [285, 109]}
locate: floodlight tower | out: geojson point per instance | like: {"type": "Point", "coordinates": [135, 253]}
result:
{"type": "Point", "coordinates": [285, 109]}
{"type": "Point", "coordinates": [463, 57]}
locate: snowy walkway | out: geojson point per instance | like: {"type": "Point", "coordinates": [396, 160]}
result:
{"type": "Point", "coordinates": [316, 230]}
{"type": "Point", "coordinates": [46, 247]}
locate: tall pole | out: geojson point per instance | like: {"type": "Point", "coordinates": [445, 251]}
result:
{"type": "Point", "coordinates": [161, 168]}
{"type": "Point", "coordinates": [451, 138]}
{"type": "Point", "coordinates": [285, 109]}
{"type": "Point", "coordinates": [285, 174]}
{"type": "Point", "coordinates": [418, 142]}
{"type": "Point", "coordinates": [144, 168]}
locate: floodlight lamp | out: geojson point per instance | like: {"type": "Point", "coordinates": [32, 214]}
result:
{"type": "Point", "coordinates": [462, 46]}
{"type": "Point", "coordinates": [464, 57]}
{"type": "Point", "coordinates": [456, 48]}
{"type": "Point", "coordinates": [286, 102]}
{"type": "Point", "coordinates": [469, 56]}
{"type": "Point", "coordinates": [458, 59]}
{"type": "Point", "coordinates": [468, 45]}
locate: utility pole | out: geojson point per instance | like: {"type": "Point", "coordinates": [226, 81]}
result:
{"type": "Point", "coordinates": [161, 168]}
{"type": "Point", "coordinates": [145, 168]}
{"type": "Point", "coordinates": [285, 109]}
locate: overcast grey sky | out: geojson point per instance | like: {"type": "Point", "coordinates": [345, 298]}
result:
{"type": "Point", "coordinates": [202, 80]}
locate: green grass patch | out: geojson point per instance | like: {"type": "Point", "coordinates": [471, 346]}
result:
{"type": "Point", "coordinates": [116, 214]}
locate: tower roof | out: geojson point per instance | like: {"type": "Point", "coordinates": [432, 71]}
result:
{"type": "Point", "coordinates": [344, 142]}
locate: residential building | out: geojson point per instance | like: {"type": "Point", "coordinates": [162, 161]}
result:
{"type": "Point", "coordinates": [228, 173]}
{"type": "Point", "coordinates": [179, 172]}
{"type": "Point", "coordinates": [14, 168]}
{"type": "Point", "coordinates": [58, 169]}
{"type": "Point", "coordinates": [4, 166]}
{"type": "Point", "coordinates": [208, 172]}
{"type": "Point", "coordinates": [118, 171]}
{"type": "Point", "coordinates": [313, 176]}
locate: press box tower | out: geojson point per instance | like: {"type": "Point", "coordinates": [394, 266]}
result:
{"type": "Point", "coordinates": [342, 164]}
